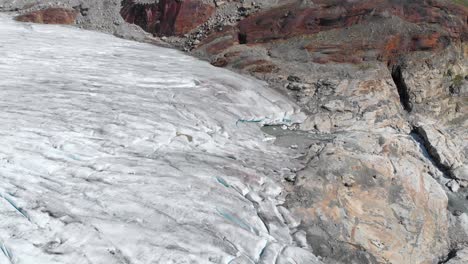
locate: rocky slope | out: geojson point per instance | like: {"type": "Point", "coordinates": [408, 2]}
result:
{"type": "Point", "coordinates": [384, 85]}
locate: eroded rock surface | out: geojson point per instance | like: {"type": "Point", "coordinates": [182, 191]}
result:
{"type": "Point", "coordinates": [343, 31]}
{"type": "Point", "coordinates": [368, 198]}
{"type": "Point", "coordinates": [168, 17]}
{"type": "Point", "coordinates": [50, 16]}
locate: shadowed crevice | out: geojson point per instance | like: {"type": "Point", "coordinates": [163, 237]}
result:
{"type": "Point", "coordinates": [242, 37]}
{"type": "Point", "coordinates": [157, 18]}
{"type": "Point", "coordinates": [452, 254]}
{"type": "Point", "coordinates": [402, 88]}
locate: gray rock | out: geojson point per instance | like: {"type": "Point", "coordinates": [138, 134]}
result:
{"type": "Point", "coordinates": [453, 185]}
{"type": "Point", "coordinates": [461, 257]}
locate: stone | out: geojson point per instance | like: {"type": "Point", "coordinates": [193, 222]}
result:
{"type": "Point", "coordinates": [453, 185]}
{"type": "Point", "coordinates": [50, 16]}
{"type": "Point", "coordinates": [440, 146]}
{"type": "Point", "coordinates": [220, 62]}
{"type": "Point", "coordinates": [295, 86]}
{"type": "Point", "coordinates": [335, 106]}
{"type": "Point", "coordinates": [348, 180]}
{"type": "Point", "coordinates": [293, 78]}
{"type": "Point", "coordinates": [461, 173]}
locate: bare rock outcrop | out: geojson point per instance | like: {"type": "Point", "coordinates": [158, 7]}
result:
{"type": "Point", "coordinates": [50, 16]}
{"type": "Point", "coordinates": [342, 31]}
{"type": "Point", "coordinates": [370, 198]}
{"type": "Point", "coordinates": [168, 17]}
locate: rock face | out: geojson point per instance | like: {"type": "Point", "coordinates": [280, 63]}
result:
{"type": "Point", "coordinates": [376, 192]}
{"type": "Point", "coordinates": [168, 17]}
{"type": "Point", "coordinates": [367, 198]}
{"type": "Point", "coordinates": [50, 16]}
{"type": "Point", "coordinates": [143, 15]}
{"type": "Point", "coordinates": [379, 191]}
{"type": "Point", "coordinates": [344, 31]}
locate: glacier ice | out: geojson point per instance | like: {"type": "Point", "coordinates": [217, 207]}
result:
{"type": "Point", "coordinates": [113, 151]}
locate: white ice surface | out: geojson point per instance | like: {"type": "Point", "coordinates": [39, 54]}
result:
{"type": "Point", "coordinates": [113, 151]}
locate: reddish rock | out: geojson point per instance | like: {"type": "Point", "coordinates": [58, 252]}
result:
{"type": "Point", "coordinates": [349, 31]}
{"type": "Point", "coordinates": [292, 20]}
{"type": "Point", "coordinates": [388, 48]}
{"type": "Point", "coordinates": [144, 15]}
{"type": "Point", "coordinates": [169, 17]}
{"type": "Point", "coordinates": [218, 42]}
{"type": "Point", "coordinates": [192, 14]}
{"type": "Point", "coordinates": [50, 16]}
{"type": "Point", "coordinates": [169, 10]}
{"type": "Point", "coordinates": [220, 62]}
{"type": "Point", "coordinates": [340, 31]}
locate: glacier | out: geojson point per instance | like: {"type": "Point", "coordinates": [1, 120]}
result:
{"type": "Point", "coordinates": [113, 151]}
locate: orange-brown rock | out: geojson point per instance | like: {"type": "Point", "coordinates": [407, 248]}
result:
{"type": "Point", "coordinates": [168, 17]}
{"type": "Point", "coordinates": [50, 16]}
{"type": "Point", "coordinates": [349, 31]}
{"type": "Point", "coordinates": [387, 48]}
{"type": "Point", "coordinates": [292, 20]}
{"type": "Point", "coordinates": [357, 208]}
{"type": "Point", "coordinates": [192, 14]}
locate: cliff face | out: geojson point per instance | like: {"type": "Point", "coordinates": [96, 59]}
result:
{"type": "Point", "coordinates": [384, 84]}
{"type": "Point", "coordinates": [168, 17]}
{"type": "Point", "coordinates": [347, 31]}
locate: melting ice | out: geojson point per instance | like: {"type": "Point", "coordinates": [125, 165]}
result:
{"type": "Point", "coordinates": [113, 151]}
